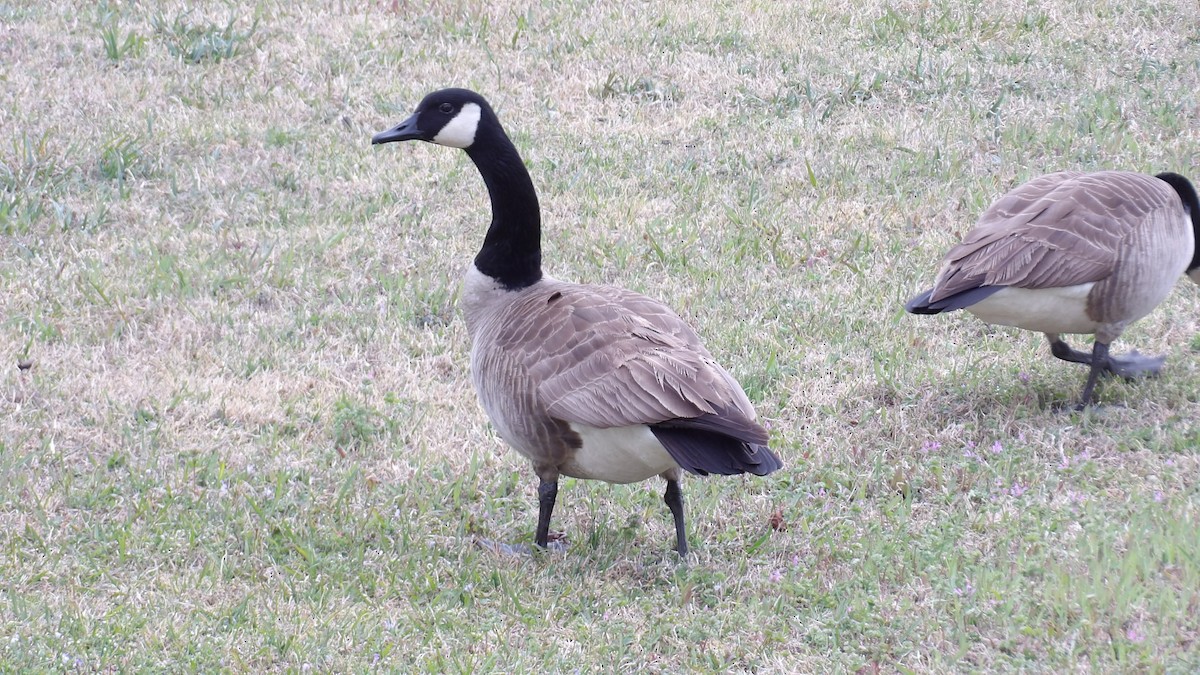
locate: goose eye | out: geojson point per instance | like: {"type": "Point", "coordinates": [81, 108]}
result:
{"type": "Point", "coordinates": [446, 108]}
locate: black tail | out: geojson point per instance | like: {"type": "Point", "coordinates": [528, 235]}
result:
{"type": "Point", "coordinates": [700, 446]}
{"type": "Point", "coordinates": [922, 305]}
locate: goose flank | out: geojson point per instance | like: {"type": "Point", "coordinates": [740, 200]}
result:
{"type": "Point", "coordinates": [586, 381]}
{"type": "Point", "coordinates": [1072, 252]}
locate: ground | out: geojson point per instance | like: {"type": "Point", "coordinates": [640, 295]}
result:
{"type": "Point", "coordinates": [236, 426]}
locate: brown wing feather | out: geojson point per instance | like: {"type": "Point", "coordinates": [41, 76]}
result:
{"type": "Point", "coordinates": [1061, 229]}
{"type": "Point", "coordinates": [608, 357]}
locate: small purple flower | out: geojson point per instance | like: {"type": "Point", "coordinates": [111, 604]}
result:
{"type": "Point", "coordinates": [1023, 376]}
{"type": "Point", "coordinates": [1158, 496]}
{"type": "Point", "coordinates": [1134, 635]}
{"type": "Point", "coordinates": [1017, 490]}
{"type": "Point", "coordinates": [776, 576]}
{"type": "Point", "coordinates": [966, 590]}
{"type": "Point", "coordinates": [927, 446]}
{"type": "Point", "coordinates": [997, 448]}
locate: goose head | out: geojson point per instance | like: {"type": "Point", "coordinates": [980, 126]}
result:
{"type": "Point", "coordinates": [449, 117]}
{"type": "Point", "coordinates": [459, 118]}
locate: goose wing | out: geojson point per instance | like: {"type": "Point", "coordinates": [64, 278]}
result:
{"type": "Point", "coordinates": [607, 357]}
{"type": "Point", "coordinates": [1057, 230]}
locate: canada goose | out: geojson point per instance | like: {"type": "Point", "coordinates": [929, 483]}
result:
{"type": "Point", "coordinates": [585, 381]}
{"type": "Point", "coordinates": [1075, 252]}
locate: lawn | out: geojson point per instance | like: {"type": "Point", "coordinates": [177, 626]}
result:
{"type": "Point", "coordinates": [236, 425]}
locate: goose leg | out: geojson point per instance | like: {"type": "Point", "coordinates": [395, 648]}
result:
{"type": "Point", "coordinates": [1099, 365]}
{"type": "Point", "coordinates": [1129, 366]}
{"type": "Point", "coordinates": [1062, 350]}
{"type": "Point", "coordinates": [547, 494]}
{"type": "Point", "coordinates": [674, 500]}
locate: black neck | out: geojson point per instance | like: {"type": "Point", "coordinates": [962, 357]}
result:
{"type": "Point", "coordinates": [1187, 194]}
{"type": "Point", "coordinates": [512, 250]}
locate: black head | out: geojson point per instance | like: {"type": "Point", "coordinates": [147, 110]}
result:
{"type": "Point", "coordinates": [447, 117]}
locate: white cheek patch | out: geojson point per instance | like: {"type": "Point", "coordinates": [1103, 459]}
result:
{"type": "Point", "coordinates": [460, 131]}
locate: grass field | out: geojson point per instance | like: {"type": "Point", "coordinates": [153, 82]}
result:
{"type": "Point", "coordinates": [236, 426]}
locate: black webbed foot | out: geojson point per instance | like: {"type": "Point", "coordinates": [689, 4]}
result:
{"type": "Point", "coordinates": [1134, 365]}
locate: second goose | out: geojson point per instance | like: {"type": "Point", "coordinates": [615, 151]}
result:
{"type": "Point", "coordinates": [1075, 252]}
{"type": "Point", "coordinates": [585, 381]}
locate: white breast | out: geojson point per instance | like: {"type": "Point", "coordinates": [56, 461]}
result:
{"type": "Point", "coordinates": [618, 455]}
{"type": "Point", "coordinates": [1046, 310]}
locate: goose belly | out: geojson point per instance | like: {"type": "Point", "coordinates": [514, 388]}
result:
{"type": "Point", "coordinates": [1046, 310]}
{"type": "Point", "coordinates": [617, 455]}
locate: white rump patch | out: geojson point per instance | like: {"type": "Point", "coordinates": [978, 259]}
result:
{"type": "Point", "coordinates": [460, 131]}
{"type": "Point", "coordinates": [618, 455]}
{"type": "Point", "coordinates": [1045, 310]}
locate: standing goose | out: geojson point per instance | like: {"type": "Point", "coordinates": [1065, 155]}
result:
{"type": "Point", "coordinates": [587, 381]}
{"type": "Point", "coordinates": [1075, 252]}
